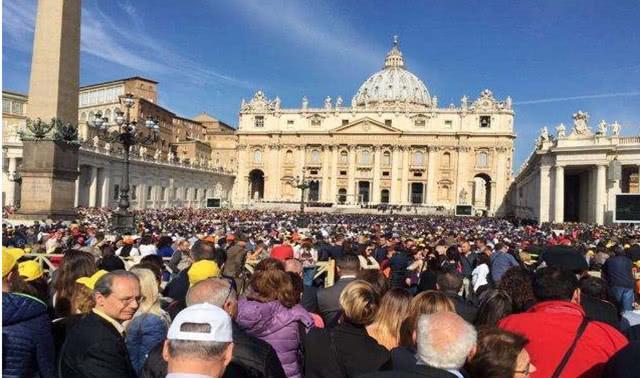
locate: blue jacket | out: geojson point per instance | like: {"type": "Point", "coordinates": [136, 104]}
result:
{"type": "Point", "coordinates": [500, 263]}
{"type": "Point", "coordinates": [165, 251]}
{"type": "Point", "coordinates": [27, 344]}
{"type": "Point", "coordinates": [143, 333]}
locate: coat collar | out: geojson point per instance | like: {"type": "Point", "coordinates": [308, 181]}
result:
{"type": "Point", "coordinates": [565, 307]}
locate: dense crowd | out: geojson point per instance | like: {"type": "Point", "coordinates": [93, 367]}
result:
{"type": "Point", "coordinates": [219, 293]}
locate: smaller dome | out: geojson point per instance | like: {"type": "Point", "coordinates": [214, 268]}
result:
{"type": "Point", "coordinates": [393, 83]}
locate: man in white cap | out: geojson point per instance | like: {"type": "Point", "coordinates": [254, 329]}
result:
{"type": "Point", "coordinates": [199, 342]}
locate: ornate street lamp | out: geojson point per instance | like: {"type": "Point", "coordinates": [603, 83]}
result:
{"type": "Point", "coordinates": [302, 184]}
{"type": "Point", "coordinates": [125, 132]}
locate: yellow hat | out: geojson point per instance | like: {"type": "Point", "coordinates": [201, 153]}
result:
{"type": "Point", "coordinates": [8, 263]}
{"type": "Point", "coordinates": [202, 270]}
{"type": "Point", "coordinates": [17, 253]}
{"type": "Point", "coordinates": [90, 282]}
{"type": "Point", "coordinates": [30, 270]}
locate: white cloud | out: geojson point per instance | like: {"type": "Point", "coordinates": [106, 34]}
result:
{"type": "Point", "coordinates": [571, 98]}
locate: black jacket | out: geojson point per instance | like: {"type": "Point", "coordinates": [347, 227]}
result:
{"type": "Point", "coordinates": [465, 309]}
{"type": "Point", "coordinates": [624, 364]}
{"type": "Point", "coordinates": [94, 348]}
{"type": "Point", "coordinates": [344, 351]}
{"type": "Point", "coordinates": [600, 310]}
{"type": "Point", "coordinates": [329, 300]}
{"type": "Point", "coordinates": [416, 371]}
{"type": "Point", "coordinates": [310, 299]}
{"type": "Point", "coordinates": [251, 358]}
{"type": "Point", "coordinates": [178, 287]}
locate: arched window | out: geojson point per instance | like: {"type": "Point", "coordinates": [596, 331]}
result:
{"type": "Point", "coordinates": [315, 156]}
{"type": "Point", "coordinates": [384, 196]}
{"type": "Point", "coordinates": [288, 156]}
{"type": "Point", "coordinates": [418, 158]}
{"type": "Point", "coordinates": [342, 195]}
{"type": "Point", "coordinates": [483, 159]}
{"type": "Point", "coordinates": [444, 192]}
{"type": "Point", "coordinates": [386, 158]}
{"type": "Point", "coordinates": [257, 156]}
{"type": "Point", "coordinates": [344, 157]}
{"type": "Point", "coordinates": [83, 116]}
{"type": "Point", "coordinates": [446, 160]}
{"type": "Point", "coordinates": [92, 115]}
{"type": "Point", "coordinates": [364, 157]}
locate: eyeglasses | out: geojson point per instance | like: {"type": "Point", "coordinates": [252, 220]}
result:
{"type": "Point", "coordinates": [128, 301]}
{"type": "Point", "coordinates": [526, 371]}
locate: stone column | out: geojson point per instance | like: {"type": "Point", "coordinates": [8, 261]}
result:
{"type": "Point", "coordinates": [93, 186]}
{"type": "Point", "coordinates": [404, 186]}
{"type": "Point", "coordinates": [545, 184]}
{"type": "Point", "coordinates": [325, 184]}
{"type": "Point", "coordinates": [277, 177]}
{"type": "Point", "coordinates": [76, 201]}
{"type": "Point", "coordinates": [396, 174]}
{"type": "Point", "coordinates": [432, 186]}
{"type": "Point", "coordinates": [106, 187]}
{"type": "Point", "coordinates": [11, 187]}
{"type": "Point", "coordinates": [333, 189]}
{"type": "Point", "coordinates": [460, 174]}
{"type": "Point", "coordinates": [351, 184]}
{"type": "Point", "coordinates": [601, 193]}
{"type": "Point", "coordinates": [375, 195]}
{"type": "Point", "coordinates": [558, 214]}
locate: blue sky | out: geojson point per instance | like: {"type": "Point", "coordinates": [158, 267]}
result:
{"type": "Point", "coordinates": [552, 57]}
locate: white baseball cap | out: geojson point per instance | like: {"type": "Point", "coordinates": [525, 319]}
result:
{"type": "Point", "coordinates": [203, 313]}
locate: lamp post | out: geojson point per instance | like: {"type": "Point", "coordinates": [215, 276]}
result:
{"type": "Point", "coordinates": [302, 184]}
{"type": "Point", "coordinates": [126, 133]}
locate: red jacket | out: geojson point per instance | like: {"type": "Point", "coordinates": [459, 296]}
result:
{"type": "Point", "coordinates": [551, 327]}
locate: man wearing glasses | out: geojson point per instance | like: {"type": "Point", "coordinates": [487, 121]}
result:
{"type": "Point", "coordinates": [95, 347]}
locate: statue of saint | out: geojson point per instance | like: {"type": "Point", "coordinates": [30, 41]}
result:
{"type": "Point", "coordinates": [560, 130]}
{"type": "Point", "coordinates": [327, 103]}
{"type": "Point", "coordinates": [602, 128]}
{"type": "Point", "coordinates": [464, 101]}
{"type": "Point", "coordinates": [339, 102]}
{"type": "Point", "coordinates": [615, 128]}
{"type": "Point", "coordinates": [305, 103]}
{"type": "Point", "coordinates": [580, 126]}
{"type": "Point", "coordinates": [508, 103]}
{"type": "Point", "coordinates": [544, 135]}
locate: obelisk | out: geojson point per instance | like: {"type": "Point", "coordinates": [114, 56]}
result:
{"type": "Point", "coordinates": [50, 164]}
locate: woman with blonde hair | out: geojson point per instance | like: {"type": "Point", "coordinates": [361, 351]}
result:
{"type": "Point", "coordinates": [347, 350]}
{"type": "Point", "coordinates": [386, 325]}
{"type": "Point", "coordinates": [425, 303]}
{"type": "Point", "coordinates": [149, 324]}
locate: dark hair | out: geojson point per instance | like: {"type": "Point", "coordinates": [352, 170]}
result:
{"type": "Point", "coordinates": [594, 287]}
{"type": "Point", "coordinates": [497, 353]}
{"type": "Point", "coordinates": [453, 253]}
{"type": "Point", "coordinates": [268, 264]}
{"type": "Point", "coordinates": [273, 285]}
{"type": "Point", "coordinates": [153, 260]}
{"type": "Point", "coordinates": [449, 282]}
{"type": "Point", "coordinates": [494, 306]}
{"type": "Point", "coordinates": [348, 262]}
{"type": "Point", "coordinates": [553, 283]}
{"type": "Point", "coordinates": [518, 283]}
{"type": "Point", "coordinates": [483, 258]}
{"type": "Point", "coordinates": [75, 264]}
{"type": "Point", "coordinates": [202, 250]}
{"type": "Point", "coordinates": [376, 278]}
{"type": "Point", "coordinates": [164, 241]}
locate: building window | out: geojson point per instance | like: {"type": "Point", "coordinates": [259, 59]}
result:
{"type": "Point", "coordinates": [6, 106]}
{"type": "Point", "coordinates": [259, 121]}
{"type": "Point", "coordinates": [175, 193]}
{"type": "Point", "coordinates": [315, 156]}
{"type": "Point", "coordinates": [149, 193]}
{"type": "Point", "coordinates": [483, 160]}
{"type": "Point", "coordinates": [444, 192]}
{"type": "Point", "coordinates": [342, 195]}
{"type": "Point", "coordinates": [313, 172]}
{"type": "Point", "coordinates": [257, 156]}
{"type": "Point", "coordinates": [417, 174]}
{"type": "Point", "coordinates": [420, 122]}
{"type": "Point", "coordinates": [316, 122]}
{"type": "Point", "coordinates": [116, 191]}
{"type": "Point", "coordinates": [344, 157]}
{"type": "Point", "coordinates": [448, 123]}
{"type": "Point", "coordinates": [288, 156]}
{"type": "Point", "coordinates": [343, 173]}
{"type": "Point", "coordinates": [385, 173]}
{"type": "Point", "coordinates": [134, 192]}
{"type": "Point", "coordinates": [384, 196]}
{"type": "Point", "coordinates": [485, 121]}
{"type": "Point", "coordinates": [290, 122]}
{"type": "Point", "coordinates": [386, 158]}
{"type": "Point", "coordinates": [446, 160]}
{"type": "Point", "coordinates": [364, 157]}
{"type": "Point", "coordinates": [418, 158]}
{"type": "Point", "coordinates": [163, 194]}
{"type": "Point", "coordinates": [387, 122]}
{"type": "Point", "coordinates": [345, 122]}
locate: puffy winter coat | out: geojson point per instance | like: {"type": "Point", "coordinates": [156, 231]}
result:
{"type": "Point", "coordinates": [277, 325]}
{"type": "Point", "coordinates": [27, 344]}
{"type": "Point", "coordinates": [143, 333]}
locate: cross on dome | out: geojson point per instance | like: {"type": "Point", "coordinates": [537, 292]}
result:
{"type": "Point", "coordinates": [394, 56]}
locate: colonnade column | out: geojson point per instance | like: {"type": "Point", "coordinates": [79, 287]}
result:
{"type": "Point", "coordinates": [558, 213]}
{"type": "Point", "coordinates": [76, 200]}
{"type": "Point", "coordinates": [93, 187]}
{"type": "Point", "coordinates": [544, 193]}
{"type": "Point", "coordinates": [11, 189]}
{"type": "Point", "coordinates": [333, 190]}
{"type": "Point", "coordinates": [351, 182]}
{"type": "Point", "coordinates": [324, 189]}
{"type": "Point", "coordinates": [431, 176]}
{"type": "Point", "coordinates": [600, 200]}
{"type": "Point", "coordinates": [404, 186]}
{"type": "Point", "coordinates": [377, 152]}
{"type": "Point", "coordinates": [105, 187]}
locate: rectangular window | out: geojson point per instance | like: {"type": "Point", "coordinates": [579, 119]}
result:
{"type": "Point", "coordinates": [385, 173]}
{"type": "Point", "coordinates": [387, 122]}
{"type": "Point", "coordinates": [343, 173]}
{"type": "Point", "coordinates": [134, 192]}
{"type": "Point", "coordinates": [316, 122]}
{"type": "Point", "coordinates": [448, 123]}
{"type": "Point", "coordinates": [314, 172]}
{"type": "Point", "coordinates": [420, 122]}
{"type": "Point", "coordinates": [259, 121]}
{"type": "Point", "coordinates": [17, 107]}
{"type": "Point", "coordinates": [116, 192]}
{"type": "Point", "coordinates": [163, 194]}
{"type": "Point", "coordinates": [150, 193]}
{"type": "Point", "coordinates": [6, 106]}
{"type": "Point", "coordinates": [485, 121]}
{"type": "Point", "coordinates": [345, 122]}
{"type": "Point", "coordinates": [290, 122]}
{"type": "Point", "coordinates": [417, 174]}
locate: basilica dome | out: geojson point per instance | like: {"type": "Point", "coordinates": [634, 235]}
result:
{"type": "Point", "coordinates": [392, 83]}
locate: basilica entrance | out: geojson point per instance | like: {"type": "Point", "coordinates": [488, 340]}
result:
{"type": "Point", "coordinates": [363, 191]}
{"type": "Point", "coordinates": [482, 192]}
{"type": "Point", "coordinates": [417, 193]}
{"type": "Point", "coordinates": [314, 191]}
{"type": "Point", "coordinates": [256, 184]}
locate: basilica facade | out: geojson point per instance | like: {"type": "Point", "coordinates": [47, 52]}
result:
{"type": "Point", "coordinates": [392, 144]}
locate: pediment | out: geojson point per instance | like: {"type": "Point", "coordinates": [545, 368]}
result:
{"type": "Point", "coordinates": [365, 126]}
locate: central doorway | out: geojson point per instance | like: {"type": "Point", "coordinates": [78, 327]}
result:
{"type": "Point", "coordinates": [417, 193]}
{"type": "Point", "coordinates": [314, 191]}
{"type": "Point", "coordinates": [363, 191]}
{"type": "Point", "coordinates": [256, 184]}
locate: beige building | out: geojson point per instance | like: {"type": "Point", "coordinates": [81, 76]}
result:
{"type": "Point", "coordinates": [394, 144]}
{"type": "Point", "coordinates": [14, 114]}
{"type": "Point", "coordinates": [575, 175]}
{"type": "Point", "coordinates": [222, 140]}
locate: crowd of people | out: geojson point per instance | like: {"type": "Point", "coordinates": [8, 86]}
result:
{"type": "Point", "coordinates": [221, 293]}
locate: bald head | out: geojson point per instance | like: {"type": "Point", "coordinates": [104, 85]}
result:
{"type": "Point", "coordinates": [294, 266]}
{"type": "Point", "coordinates": [445, 340]}
{"type": "Point", "coordinates": [215, 291]}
